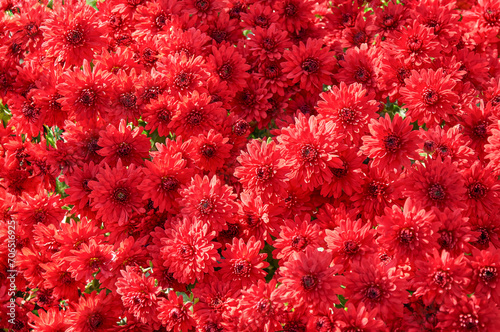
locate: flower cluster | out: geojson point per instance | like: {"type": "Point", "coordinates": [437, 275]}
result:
{"type": "Point", "coordinates": [248, 165]}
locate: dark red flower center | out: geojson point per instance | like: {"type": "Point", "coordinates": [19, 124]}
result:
{"type": "Point", "coordinates": [186, 251]}
{"type": "Point", "coordinates": [430, 97]}
{"type": "Point", "coordinates": [242, 268]}
{"type": "Point", "coordinates": [488, 273]}
{"type": "Point", "coordinates": [92, 146]}
{"type": "Point", "coordinates": [340, 172]}
{"type": "Point", "coordinates": [183, 80]}
{"type": "Point", "coordinates": [75, 36]}
{"type": "Point", "coordinates": [480, 130]}
{"type": "Point", "coordinates": [291, 10]}
{"type": "Point", "coordinates": [264, 307]}
{"type": "Point", "coordinates": [194, 118]}
{"type": "Point", "coordinates": [347, 20]}
{"type": "Point", "coordinates": [149, 56]}
{"type": "Point", "coordinates": [151, 93]}
{"type": "Point", "coordinates": [128, 100]}
{"type": "Point", "coordinates": [169, 183]}
{"type": "Point", "coordinates": [94, 263]}
{"type": "Point", "coordinates": [436, 192]}
{"type": "Point", "coordinates": [290, 201]}
{"type": "Point", "coordinates": [477, 190]}
{"type": "Point", "coordinates": [87, 97]}
{"type": "Point", "coordinates": [31, 29]}
{"type": "Point", "coordinates": [310, 65]}
{"type": "Point", "coordinates": [177, 315]}
{"type": "Point", "coordinates": [392, 143]}
{"type": "Point", "coordinates": [491, 16]}
{"type": "Point", "coordinates": [264, 173]}
{"type": "Point", "coordinates": [446, 240]}
{"type": "Point", "coordinates": [299, 242]}
{"type": "Point", "coordinates": [495, 101]}
{"type": "Point", "coordinates": [306, 109]}
{"type": "Point", "coordinates": [206, 206]}
{"type": "Point", "coordinates": [30, 111]}
{"type": "Point", "coordinates": [309, 282]}
{"type": "Point", "coordinates": [308, 153]}
{"type": "Point", "coordinates": [241, 127]}
{"type": "Point", "coordinates": [208, 150]}
{"type": "Point", "coordinates": [268, 44]}
{"type": "Point", "coordinates": [429, 146]}
{"type": "Point", "coordinates": [484, 238]}
{"type": "Point", "coordinates": [121, 195]}
{"type": "Point", "coordinates": [164, 116]}
{"type": "Point", "coordinates": [218, 35]}
{"type": "Point", "coordinates": [389, 21]}
{"type": "Point", "coordinates": [217, 302]}
{"type": "Point", "coordinates": [225, 71]}
{"type": "Point", "coordinates": [160, 20]}
{"type": "Point", "coordinates": [441, 278]}
{"type": "Point", "coordinates": [262, 21]}
{"type": "Point", "coordinates": [39, 215]}
{"type": "Point", "coordinates": [272, 71]}
{"type": "Point", "coordinates": [375, 188]}
{"type": "Point", "coordinates": [94, 321]}
{"type": "Point", "coordinates": [123, 150]}
{"type": "Point", "coordinates": [361, 74]}
{"type": "Point", "coordinates": [432, 23]}
{"type": "Point", "coordinates": [211, 327]}
{"type": "Point", "coordinates": [406, 236]}
{"type": "Point", "coordinates": [65, 278]}
{"type": "Point", "coordinates": [359, 38]}
{"type": "Point", "coordinates": [414, 44]}
{"type": "Point", "coordinates": [351, 247]}
{"type": "Point", "coordinates": [347, 115]}
{"type": "Point", "coordinates": [402, 74]}
{"type": "Point", "coordinates": [468, 321]}
{"type": "Point", "coordinates": [202, 5]}
{"type": "Point", "coordinates": [373, 293]}
{"type": "Point", "coordinates": [246, 98]}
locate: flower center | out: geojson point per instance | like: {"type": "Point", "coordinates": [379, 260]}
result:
{"type": "Point", "coordinates": [477, 190]}
{"type": "Point", "coordinates": [361, 74]}
{"type": "Point", "coordinates": [208, 150]}
{"type": "Point", "coordinates": [186, 251]}
{"type": "Point", "coordinates": [149, 56]}
{"type": "Point", "coordinates": [164, 116]}
{"type": "Point", "coordinates": [39, 216]}
{"type": "Point", "coordinates": [340, 172]}
{"type": "Point", "coordinates": [268, 44]}
{"type": "Point", "coordinates": [480, 130]}
{"type": "Point", "coordinates": [217, 303]}
{"type": "Point", "coordinates": [75, 36]}
{"type": "Point", "coordinates": [392, 143]}
{"type": "Point", "coordinates": [183, 80]}
{"type": "Point", "coordinates": [240, 127]}
{"type": "Point", "coordinates": [484, 237]}
{"type": "Point", "coordinates": [446, 240]}
{"type": "Point", "coordinates": [65, 278]}
{"type": "Point", "coordinates": [94, 263]}
{"type": "Point", "coordinates": [290, 10]}
{"type": "Point", "coordinates": [160, 21]}
{"type": "Point", "coordinates": [123, 150]}
{"type": "Point", "coordinates": [347, 115]}
{"type": "Point", "coordinates": [442, 279]}
{"type": "Point", "coordinates": [468, 321]}
{"type": "Point", "coordinates": [488, 273]}
{"type": "Point", "coordinates": [308, 153]}
{"type": "Point", "coordinates": [194, 118]}
{"type": "Point", "coordinates": [169, 183]}
{"type": "Point", "coordinates": [360, 37]}
{"type": "Point", "coordinates": [272, 71]}
{"type": "Point", "coordinates": [351, 247]}
{"type": "Point", "coordinates": [218, 35]}
{"type": "Point", "coordinates": [414, 44]}
{"type": "Point", "coordinates": [121, 195]}
{"type": "Point", "coordinates": [491, 16]}
{"type": "Point", "coordinates": [262, 21]}
{"type": "Point", "coordinates": [201, 5]}
{"type": "Point", "coordinates": [309, 282]}
{"type": "Point", "coordinates": [30, 112]}
{"type": "Point", "coordinates": [373, 293]}
{"type": "Point", "coordinates": [430, 96]}
{"type": "Point", "coordinates": [177, 315]}
{"type": "Point", "coordinates": [299, 242]}
{"type": "Point", "coordinates": [406, 236]}
{"type": "Point", "coordinates": [225, 71]}
{"type": "Point", "coordinates": [375, 189]}
{"type": "Point", "coordinates": [389, 21]}
{"type": "Point", "coordinates": [87, 97]}
{"type": "Point", "coordinates": [242, 268]}
{"type": "Point", "coordinates": [310, 65]}
{"type": "Point", "coordinates": [246, 98]}
{"type": "Point", "coordinates": [429, 146]}
{"type": "Point", "coordinates": [402, 74]}
{"type": "Point", "coordinates": [206, 206]}
{"type": "Point", "coordinates": [347, 20]}
{"type": "Point", "coordinates": [128, 100]}
{"type": "Point", "coordinates": [436, 192]}
{"type": "Point", "coordinates": [264, 173]}
{"type": "Point", "coordinates": [94, 321]}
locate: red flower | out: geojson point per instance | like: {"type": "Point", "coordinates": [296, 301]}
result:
{"type": "Point", "coordinates": [174, 314]}
{"type": "Point", "coordinates": [294, 14]}
{"type": "Point", "coordinates": [123, 143]}
{"type": "Point", "coordinates": [468, 315]}
{"type": "Point", "coordinates": [485, 266]}
{"type": "Point", "coordinates": [94, 313]}
{"type": "Point", "coordinates": [188, 250]}
{"type": "Point", "coordinates": [358, 318]}
{"type": "Point", "coordinates": [429, 96]}
{"type": "Point", "coordinates": [308, 281]}
{"type": "Point", "coordinates": [483, 189]}
{"type": "Point", "coordinates": [159, 113]}
{"type": "Point", "coordinates": [296, 236]}
{"type": "Point", "coordinates": [115, 195]}
{"type": "Point", "coordinates": [185, 75]}
{"type": "Point", "coordinates": [125, 100]}
{"type": "Point", "coordinates": [269, 43]}
{"type": "Point", "coordinates": [211, 151]}
{"type": "Point", "coordinates": [89, 259]}
{"type": "Point", "coordinates": [51, 321]}
{"type": "Point", "coordinates": [243, 264]}
{"type": "Point", "coordinates": [209, 200]}
{"type": "Point", "coordinates": [230, 66]}
{"type": "Point", "coordinates": [263, 170]}
{"type": "Point", "coordinates": [392, 144]}
{"type": "Point", "coordinates": [351, 107]}
{"type": "Point", "coordinates": [493, 148]}
{"type": "Point", "coordinates": [454, 231]}
{"type": "Point", "coordinates": [311, 64]}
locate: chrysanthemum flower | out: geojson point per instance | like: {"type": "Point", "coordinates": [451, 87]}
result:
{"type": "Point", "coordinates": [130, 146]}
{"type": "Point", "coordinates": [440, 278]}
{"type": "Point", "coordinates": [485, 266]}
{"type": "Point", "coordinates": [358, 318]}
{"type": "Point", "coordinates": [377, 287]}
{"type": "Point", "coordinates": [492, 149]}
{"type": "Point", "coordinates": [312, 147]}
{"type": "Point", "coordinates": [243, 264]}
{"type": "Point", "coordinates": [94, 313]}
{"type": "Point", "coordinates": [311, 64]}
{"type": "Point", "coordinates": [308, 281]}
{"type": "Point", "coordinates": [351, 107]}
{"type": "Point", "coordinates": [294, 14]}
{"type": "Point", "coordinates": [188, 250]}
{"type": "Point", "coordinates": [407, 233]}
{"type": "Point", "coordinates": [483, 189]}
{"type": "Point", "coordinates": [51, 321]}
{"type": "Point", "coordinates": [454, 231]}
{"type": "Point", "coordinates": [90, 259]}
{"type": "Point", "coordinates": [296, 236]}
{"type": "Point", "coordinates": [185, 75]}
{"type": "Point", "coordinates": [115, 195]}
{"type": "Point", "coordinates": [174, 314]}
{"type": "Point", "coordinates": [230, 66]}
{"type": "Point", "coordinates": [429, 96]}
{"type": "Point", "coordinates": [392, 143]}
{"type": "Point", "coordinates": [159, 113]}
{"type": "Point", "coordinates": [252, 102]}
{"type": "Point", "coordinates": [477, 125]}
{"type": "Point", "coordinates": [263, 168]}
{"type": "Point", "coordinates": [268, 44]}
{"type": "Point", "coordinates": [196, 115]}
{"type": "Point", "coordinates": [125, 100]}
{"type": "Point", "coordinates": [470, 314]}
{"type": "Point", "coordinates": [40, 208]}
{"type": "Point", "coordinates": [139, 295]}
{"type": "Point", "coordinates": [86, 93]}
{"type": "Point", "coordinates": [209, 200]}
{"type": "Point", "coordinates": [257, 217]}
{"type": "Point", "coordinates": [72, 33]}
{"type": "Point", "coordinates": [350, 242]}
{"type": "Point", "coordinates": [58, 278]}
{"type": "Point", "coordinates": [211, 151]}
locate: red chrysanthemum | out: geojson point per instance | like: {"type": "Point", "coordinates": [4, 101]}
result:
{"type": "Point", "coordinates": [211, 150]}
{"type": "Point", "coordinates": [429, 96]}
{"type": "Point", "coordinates": [392, 143]}
{"type": "Point", "coordinates": [483, 189]}
{"type": "Point", "coordinates": [454, 231]}
{"type": "Point", "coordinates": [90, 259]}
{"type": "Point", "coordinates": [485, 266]}
{"type": "Point", "coordinates": [311, 64]}
{"type": "Point", "coordinates": [209, 200]}
{"type": "Point", "coordinates": [174, 314]}
{"type": "Point", "coordinates": [94, 313]}
{"type": "Point", "coordinates": [188, 250]}
{"type": "Point", "coordinates": [230, 66]}
{"type": "Point", "coordinates": [185, 75]}
{"type": "Point", "coordinates": [470, 314]}
{"type": "Point", "coordinates": [115, 194]}
{"type": "Point", "coordinates": [492, 149]}
{"type": "Point", "coordinates": [51, 321]}
{"type": "Point", "coordinates": [268, 44]}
